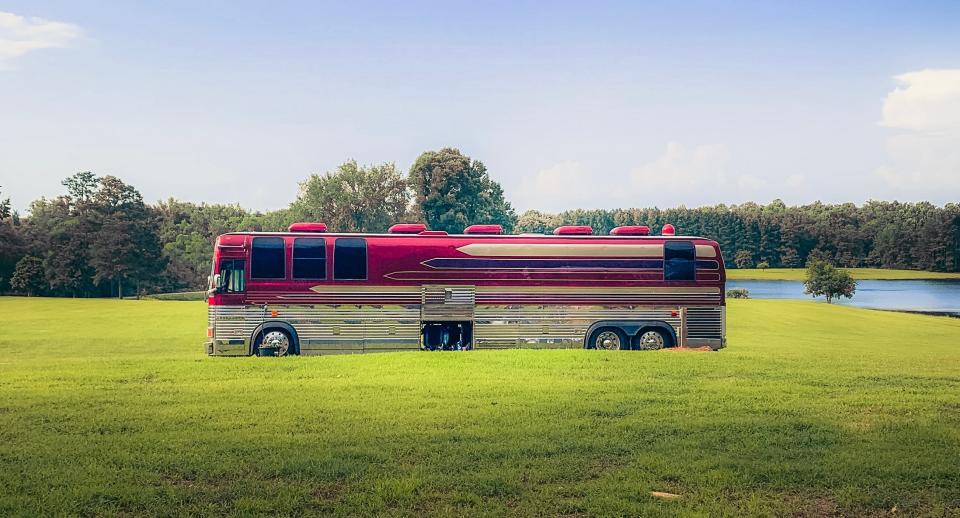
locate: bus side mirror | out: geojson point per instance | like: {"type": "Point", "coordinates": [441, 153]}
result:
{"type": "Point", "coordinates": [216, 280]}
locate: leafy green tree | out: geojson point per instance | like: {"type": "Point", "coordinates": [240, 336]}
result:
{"type": "Point", "coordinates": [452, 191]}
{"type": "Point", "coordinates": [187, 231]}
{"type": "Point", "coordinates": [5, 212]}
{"type": "Point", "coordinates": [536, 222]}
{"type": "Point", "coordinates": [12, 246]}
{"type": "Point", "coordinates": [126, 246]}
{"type": "Point", "coordinates": [825, 279]}
{"type": "Point", "coordinates": [354, 198]}
{"type": "Point", "coordinates": [81, 188]}
{"type": "Point", "coordinates": [62, 234]}
{"type": "Point", "coordinates": [188, 257]}
{"type": "Point", "coordinates": [28, 277]}
{"type": "Point", "coordinates": [98, 236]}
{"type": "Point", "coordinates": [743, 259]}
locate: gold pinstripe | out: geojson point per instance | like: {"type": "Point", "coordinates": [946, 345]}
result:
{"type": "Point", "coordinates": [560, 250]}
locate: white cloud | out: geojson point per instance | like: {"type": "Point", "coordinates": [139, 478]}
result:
{"type": "Point", "coordinates": [20, 35]}
{"type": "Point", "coordinates": [559, 186]}
{"type": "Point", "coordinates": [924, 155]}
{"type": "Point", "coordinates": [680, 169]}
{"type": "Point", "coordinates": [927, 101]}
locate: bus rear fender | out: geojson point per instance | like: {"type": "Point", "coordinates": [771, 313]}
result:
{"type": "Point", "coordinates": [632, 328]}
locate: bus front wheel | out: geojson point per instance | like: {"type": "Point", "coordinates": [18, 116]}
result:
{"type": "Point", "coordinates": [273, 342]}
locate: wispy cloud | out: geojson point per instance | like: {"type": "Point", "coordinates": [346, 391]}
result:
{"type": "Point", "coordinates": [680, 169]}
{"type": "Point", "coordinates": [21, 34]}
{"type": "Point", "coordinates": [558, 187]}
{"type": "Point", "coordinates": [680, 175]}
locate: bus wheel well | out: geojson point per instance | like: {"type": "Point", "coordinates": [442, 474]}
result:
{"type": "Point", "coordinates": [266, 327]}
{"type": "Point", "coordinates": [620, 339]}
{"type": "Point", "coordinates": [633, 329]}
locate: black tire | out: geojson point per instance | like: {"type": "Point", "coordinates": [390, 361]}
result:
{"type": "Point", "coordinates": [292, 348]}
{"type": "Point", "coordinates": [594, 336]}
{"type": "Point", "coordinates": [647, 339]}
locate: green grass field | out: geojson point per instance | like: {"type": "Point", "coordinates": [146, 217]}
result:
{"type": "Point", "coordinates": [799, 274]}
{"type": "Point", "coordinates": [110, 408]}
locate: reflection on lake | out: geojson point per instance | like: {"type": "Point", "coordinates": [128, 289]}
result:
{"type": "Point", "coordinates": [925, 296]}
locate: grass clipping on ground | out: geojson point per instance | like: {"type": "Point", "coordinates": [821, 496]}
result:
{"type": "Point", "coordinates": [111, 408]}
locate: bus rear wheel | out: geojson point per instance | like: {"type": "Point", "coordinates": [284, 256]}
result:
{"type": "Point", "coordinates": [273, 342]}
{"type": "Point", "coordinates": [652, 340]}
{"type": "Point", "coordinates": [609, 339]}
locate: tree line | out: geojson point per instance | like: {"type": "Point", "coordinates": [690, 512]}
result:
{"type": "Point", "coordinates": [99, 238]}
{"type": "Point", "coordinates": [879, 234]}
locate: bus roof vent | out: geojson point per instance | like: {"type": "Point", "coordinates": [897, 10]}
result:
{"type": "Point", "coordinates": [631, 230]}
{"type": "Point", "coordinates": [433, 233]}
{"type": "Point", "coordinates": [407, 228]}
{"type": "Point", "coordinates": [308, 227]}
{"type": "Point", "coordinates": [573, 230]}
{"type": "Point", "coordinates": [231, 240]}
{"type": "Point", "coordinates": [483, 229]}
{"type": "Point", "coordinates": [668, 230]}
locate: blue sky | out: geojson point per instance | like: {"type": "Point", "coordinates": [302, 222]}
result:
{"type": "Point", "coordinates": [569, 105]}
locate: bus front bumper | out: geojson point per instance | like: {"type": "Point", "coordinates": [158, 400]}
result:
{"type": "Point", "coordinates": [227, 347]}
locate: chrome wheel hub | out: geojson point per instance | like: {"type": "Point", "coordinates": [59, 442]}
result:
{"type": "Point", "coordinates": [277, 342]}
{"type": "Point", "coordinates": [607, 340]}
{"type": "Point", "coordinates": [651, 340]}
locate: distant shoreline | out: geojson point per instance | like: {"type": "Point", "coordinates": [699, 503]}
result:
{"type": "Point", "coordinates": [799, 274]}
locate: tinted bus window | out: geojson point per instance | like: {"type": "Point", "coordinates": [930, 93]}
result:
{"type": "Point", "coordinates": [679, 261]}
{"type": "Point", "coordinates": [309, 258]}
{"type": "Point", "coordinates": [350, 258]}
{"type": "Point", "coordinates": [231, 276]}
{"type": "Point", "coordinates": [267, 261]}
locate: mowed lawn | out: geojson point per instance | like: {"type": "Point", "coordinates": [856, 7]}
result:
{"type": "Point", "coordinates": [111, 408]}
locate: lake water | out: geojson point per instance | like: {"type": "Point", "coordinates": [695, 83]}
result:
{"type": "Point", "coordinates": [923, 296]}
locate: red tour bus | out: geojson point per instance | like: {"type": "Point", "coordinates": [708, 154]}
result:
{"type": "Point", "coordinates": [308, 291]}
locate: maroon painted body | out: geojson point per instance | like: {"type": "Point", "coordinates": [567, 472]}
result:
{"type": "Point", "coordinates": [414, 260]}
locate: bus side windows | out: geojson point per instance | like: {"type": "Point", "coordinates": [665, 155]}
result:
{"type": "Point", "coordinates": [267, 258]}
{"type": "Point", "coordinates": [679, 261]}
{"type": "Point", "coordinates": [310, 258]}
{"type": "Point", "coordinates": [350, 259]}
{"type": "Point", "coordinates": [231, 276]}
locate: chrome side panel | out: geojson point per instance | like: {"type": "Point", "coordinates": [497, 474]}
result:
{"type": "Point", "coordinates": [706, 326]}
{"type": "Point", "coordinates": [447, 303]}
{"type": "Point", "coordinates": [351, 328]}
{"type": "Point", "coordinates": [321, 329]}
{"type": "Point", "coordinates": [232, 327]}
{"type": "Point", "coordinates": [553, 326]}
{"type": "Point", "coordinates": [354, 328]}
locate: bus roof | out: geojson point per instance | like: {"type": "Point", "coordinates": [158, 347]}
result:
{"type": "Point", "coordinates": [432, 234]}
